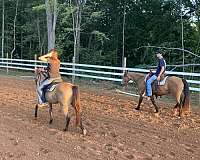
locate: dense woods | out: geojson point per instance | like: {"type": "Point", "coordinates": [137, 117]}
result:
{"type": "Point", "coordinates": [102, 31]}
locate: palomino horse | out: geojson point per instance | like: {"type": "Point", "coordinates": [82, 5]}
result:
{"type": "Point", "coordinates": [66, 94]}
{"type": "Point", "coordinates": [175, 86]}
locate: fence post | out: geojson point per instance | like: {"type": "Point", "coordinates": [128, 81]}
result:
{"type": "Point", "coordinates": [35, 56]}
{"type": "Point", "coordinates": [124, 65]}
{"type": "Point", "coordinates": [199, 94]}
{"type": "Point", "coordinates": [7, 63]}
{"type": "Point", "coordinates": [73, 71]}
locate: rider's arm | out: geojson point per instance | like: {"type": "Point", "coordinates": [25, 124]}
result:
{"type": "Point", "coordinates": [162, 65]}
{"type": "Point", "coordinates": [161, 72]}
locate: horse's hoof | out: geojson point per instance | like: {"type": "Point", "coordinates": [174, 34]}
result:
{"type": "Point", "coordinates": [137, 109]}
{"type": "Point", "coordinates": [84, 132]}
{"type": "Point", "coordinates": [50, 122]}
{"type": "Point", "coordinates": [65, 129]}
{"type": "Point", "coordinates": [174, 112]}
{"type": "Point", "coordinates": [156, 114]}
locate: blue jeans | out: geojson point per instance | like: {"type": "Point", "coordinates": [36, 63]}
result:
{"type": "Point", "coordinates": [148, 85]}
{"type": "Point", "coordinates": [41, 98]}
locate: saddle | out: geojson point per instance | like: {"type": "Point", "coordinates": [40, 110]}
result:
{"type": "Point", "coordinates": [50, 88]}
{"type": "Point", "coordinates": [155, 85]}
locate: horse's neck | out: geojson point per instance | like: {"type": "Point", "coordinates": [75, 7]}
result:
{"type": "Point", "coordinates": [137, 77]}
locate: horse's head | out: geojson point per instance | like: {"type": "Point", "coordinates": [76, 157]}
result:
{"type": "Point", "coordinates": [52, 54]}
{"type": "Point", "coordinates": [126, 79]}
{"type": "Point", "coordinates": [40, 75]}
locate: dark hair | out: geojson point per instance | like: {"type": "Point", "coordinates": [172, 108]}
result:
{"type": "Point", "coordinates": [158, 51]}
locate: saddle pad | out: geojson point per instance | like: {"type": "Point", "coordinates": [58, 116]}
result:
{"type": "Point", "coordinates": [161, 83]}
{"type": "Point", "coordinates": [51, 88]}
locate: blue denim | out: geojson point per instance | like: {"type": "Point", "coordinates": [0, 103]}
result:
{"type": "Point", "coordinates": [41, 96]}
{"type": "Point", "coordinates": [148, 85]}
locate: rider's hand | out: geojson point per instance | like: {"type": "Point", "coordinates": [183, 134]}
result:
{"type": "Point", "coordinates": [158, 78]}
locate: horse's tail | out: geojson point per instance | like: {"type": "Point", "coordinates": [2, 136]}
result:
{"type": "Point", "coordinates": [76, 103]}
{"type": "Point", "coordinates": [186, 98]}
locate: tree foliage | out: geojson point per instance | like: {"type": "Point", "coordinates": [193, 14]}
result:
{"type": "Point", "coordinates": [147, 23]}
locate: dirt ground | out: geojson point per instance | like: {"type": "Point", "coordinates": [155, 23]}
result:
{"type": "Point", "coordinates": [115, 130]}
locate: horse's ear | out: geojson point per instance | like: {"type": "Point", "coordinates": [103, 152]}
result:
{"type": "Point", "coordinates": [36, 70]}
{"type": "Point", "coordinates": [125, 72]}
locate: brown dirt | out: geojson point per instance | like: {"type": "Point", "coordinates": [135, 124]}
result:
{"type": "Point", "coordinates": [115, 131]}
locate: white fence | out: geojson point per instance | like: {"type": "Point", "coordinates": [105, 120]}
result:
{"type": "Point", "coordinates": [93, 71]}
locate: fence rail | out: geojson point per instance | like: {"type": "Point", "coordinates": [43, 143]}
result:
{"type": "Point", "coordinates": [93, 71]}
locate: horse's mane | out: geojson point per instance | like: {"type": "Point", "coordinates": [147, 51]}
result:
{"type": "Point", "coordinates": [135, 76]}
{"type": "Point", "coordinates": [40, 76]}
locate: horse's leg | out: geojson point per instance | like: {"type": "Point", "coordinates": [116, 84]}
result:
{"type": "Point", "coordinates": [178, 103]}
{"type": "Point", "coordinates": [84, 131]}
{"type": "Point", "coordinates": [180, 107]}
{"type": "Point", "coordinates": [50, 113]}
{"type": "Point", "coordinates": [139, 103]}
{"type": "Point", "coordinates": [36, 110]}
{"type": "Point", "coordinates": [154, 103]}
{"type": "Point", "coordinates": [175, 108]}
{"type": "Point", "coordinates": [142, 92]}
{"type": "Point", "coordinates": [67, 118]}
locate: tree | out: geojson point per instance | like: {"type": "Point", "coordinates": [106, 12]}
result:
{"type": "Point", "coordinates": [76, 26]}
{"type": "Point", "coordinates": [96, 36]}
{"type": "Point", "coordinates": [14, 29]}
{"type": "Point", "coordinates": [51, 13]}
{"type": "Point", "coordinates": [2, 39]}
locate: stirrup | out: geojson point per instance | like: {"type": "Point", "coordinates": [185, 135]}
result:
{"type": "Point", "coordinates": [42, 104]}
{"type": "Point", "coordinates": [146, 97]}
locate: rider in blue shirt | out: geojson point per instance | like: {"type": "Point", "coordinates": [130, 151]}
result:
{"type": "Point", "coordinates": [159, 71]}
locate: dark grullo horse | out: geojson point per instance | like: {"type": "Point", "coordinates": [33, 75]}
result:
{"type": "Point", "coordinates": [66, 94]}
{"type": "Point", "coordinates": [175, 86]}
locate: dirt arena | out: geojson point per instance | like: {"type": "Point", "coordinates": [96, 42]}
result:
{"type": "Point", "coordinates": [115, 131]}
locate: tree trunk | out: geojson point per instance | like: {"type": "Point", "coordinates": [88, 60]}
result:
{"type": "Point", "coordinates": [39, 37]}
{"type": "Point", "coordinates": [30, 46]}
{"type": "Point", "coordinates": [21, 45]}
{"type": "Point", "coordinates": [123, 36]}
{"type": "Point", "coordinates": [2, 40]}
{"type": "Point", "coordinates": [51, 13]}
{"type": "Point", "coordinates": [14, 29]}
{"type": "Point", "coordinates": [76, 27]}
